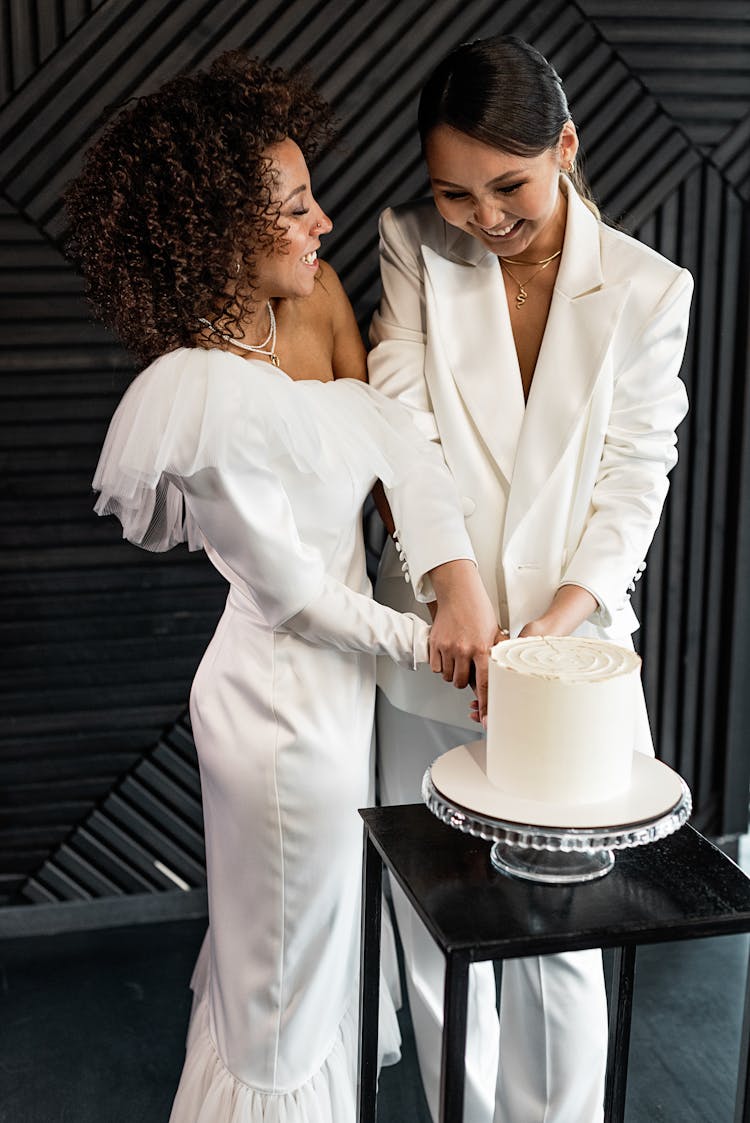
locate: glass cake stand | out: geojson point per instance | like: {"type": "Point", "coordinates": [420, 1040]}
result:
{"type": "Point", "coordinates": [555, 855]}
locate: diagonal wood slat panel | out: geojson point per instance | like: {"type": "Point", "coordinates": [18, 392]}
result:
{"type": "Point", "coordinates": [101, 640]}
{"type": "Point", "coordinates": [732, 157]}
{"type": "Point", "coordinates": [32, 30]}
{"type": "Point", "coordinates": [145, 836]}
{"type": "Point", "coordinates": [693, 57]}
{"type": "Point", "coordinates": [687, 611]}
{"type": "Point", "coordinates": [86, 689]}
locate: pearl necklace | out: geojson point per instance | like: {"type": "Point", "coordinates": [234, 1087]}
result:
{"type": "Point", "coordinates": [522, 294]}
{"type": "Point", "coordinates": [258, 349]}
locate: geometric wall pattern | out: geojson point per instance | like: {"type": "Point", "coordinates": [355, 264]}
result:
{"type": "Point", "coordinates": [99, 640]}
{"type": "Point", "coordinates": [144, 836]}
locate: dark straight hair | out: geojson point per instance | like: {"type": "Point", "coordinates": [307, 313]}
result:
{"type": "Point", "coordinates": [502, 92]}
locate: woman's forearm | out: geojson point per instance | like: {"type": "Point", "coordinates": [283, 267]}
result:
{"type": "Point", "coordinates": [570, 606]}
{"type": "Point", "coordinates": [464, 627]}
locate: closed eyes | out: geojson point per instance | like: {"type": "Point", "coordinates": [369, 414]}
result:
{"type": "Point", "coordinates": [509, 190]}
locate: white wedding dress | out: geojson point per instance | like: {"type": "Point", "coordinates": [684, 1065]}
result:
{"type": "Point", "coordinates": [270, 475]}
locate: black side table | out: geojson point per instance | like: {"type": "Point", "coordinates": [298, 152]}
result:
{"type": "Point", "coordinates": [681, 888]}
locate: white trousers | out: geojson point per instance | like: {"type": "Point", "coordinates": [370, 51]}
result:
{"type": "Point", "coordinates": [544, 1059]}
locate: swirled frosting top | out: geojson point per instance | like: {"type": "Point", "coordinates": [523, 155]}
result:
{"type": "Point", "coordinates": [570, 659]}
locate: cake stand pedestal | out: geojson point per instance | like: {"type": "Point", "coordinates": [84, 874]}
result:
{"type": "Point", "coordinates": [555, 855]}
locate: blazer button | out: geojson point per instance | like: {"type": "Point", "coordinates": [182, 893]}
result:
{"type": "Point", "coordinates": [468, 506]}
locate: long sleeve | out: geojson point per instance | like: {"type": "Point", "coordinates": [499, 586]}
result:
{"type": "Point", "coordinates": [200, 447]}
{"type": "Point", "coordinates": [649, 401]}
{"type": "Point", "coordinates": [423, 497]}
{"type": "Point", "coordinates": [248, 521]}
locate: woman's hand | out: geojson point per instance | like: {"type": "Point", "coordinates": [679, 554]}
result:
{"type": "Point", "coordinates": [570, 606]}
{"type": "Point", "coordinates": [478, 707]}
{"type": "Point", "coordinates": [464, 627]}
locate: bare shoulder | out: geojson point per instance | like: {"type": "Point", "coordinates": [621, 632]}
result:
{"type": "Point", "coordinates": [320, 332]}
{"type": "Point", "coordinates": [349, 357]}
{"type": "Point", "coordinates": [329, 292]}
{"type": "Point", "coordinates": [326, 303]}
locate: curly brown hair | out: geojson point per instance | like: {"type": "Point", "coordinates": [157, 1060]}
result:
{"type": "Point", "coordinates": [179, 187]}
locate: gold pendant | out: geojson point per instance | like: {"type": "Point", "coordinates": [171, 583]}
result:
{"type": "Point", "coordinates": [521, 298]}
{"type": "Point", "coordinates": [274, 359]}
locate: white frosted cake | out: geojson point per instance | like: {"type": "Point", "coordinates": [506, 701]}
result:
{"type": "Point", "coordinates": [561, 718]}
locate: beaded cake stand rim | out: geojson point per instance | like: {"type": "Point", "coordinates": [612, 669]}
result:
{"type": "Point", "coordinates": [526, 836]}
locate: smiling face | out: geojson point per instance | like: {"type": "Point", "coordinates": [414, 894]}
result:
{"type": "Point", "coordinates": [288, 269]}
{"type": "Point", "coordinates": [511, 204]}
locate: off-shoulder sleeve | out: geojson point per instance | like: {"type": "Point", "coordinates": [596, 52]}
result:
{"type": "Point", "coordinates": [192, 454]}
{"type": "Point", "coordinates": [189, 410]}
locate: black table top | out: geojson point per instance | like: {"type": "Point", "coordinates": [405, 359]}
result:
{"type": "Point", "coordinates": [679, 888]}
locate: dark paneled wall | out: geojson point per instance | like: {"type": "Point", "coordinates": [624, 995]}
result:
{"type": "Point", "coordinates": [100, 640]}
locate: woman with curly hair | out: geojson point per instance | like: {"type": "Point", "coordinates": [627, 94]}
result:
{"type": "Point", "coordinates": [197, 231]}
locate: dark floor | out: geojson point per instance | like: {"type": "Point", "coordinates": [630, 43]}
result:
{"type": "Point", "coordinates": [92, 1029]}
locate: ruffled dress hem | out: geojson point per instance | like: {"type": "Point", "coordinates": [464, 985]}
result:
{"type": "Point", "coordinates": [209, 1093]}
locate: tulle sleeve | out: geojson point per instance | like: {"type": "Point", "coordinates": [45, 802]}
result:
{"type": "Point", "coordinates": [193, 454]}
{"type": "Point", "coordinates": [191, 410]}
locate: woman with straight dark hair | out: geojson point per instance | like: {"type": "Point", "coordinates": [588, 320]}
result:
{"type": "Point", "coordinates": [541, 349]}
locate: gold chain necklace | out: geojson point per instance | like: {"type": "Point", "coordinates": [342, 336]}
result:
{"type": "Point", "coordinates": [522, 295]}
{"type": "Point", "coordinates": [544, 261]}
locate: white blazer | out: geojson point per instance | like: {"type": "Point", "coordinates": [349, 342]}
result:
{"type": "Point", "coordinates": [569, 487]}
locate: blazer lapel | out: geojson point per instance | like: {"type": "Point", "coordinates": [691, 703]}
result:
{"type": "Point", "coordinates": [583, 316]}
{"type": "Point", "coordinates": [470, 315]}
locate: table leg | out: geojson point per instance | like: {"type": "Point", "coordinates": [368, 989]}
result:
{"type": "Point", "coordinates": [453, 1059]}
{"type": "Point", "coordinates": [369, 983]}
{"type": "Point", "coordinates": [620, 1015]}
{"type": "Point", "coordinates": [742, 1105]}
